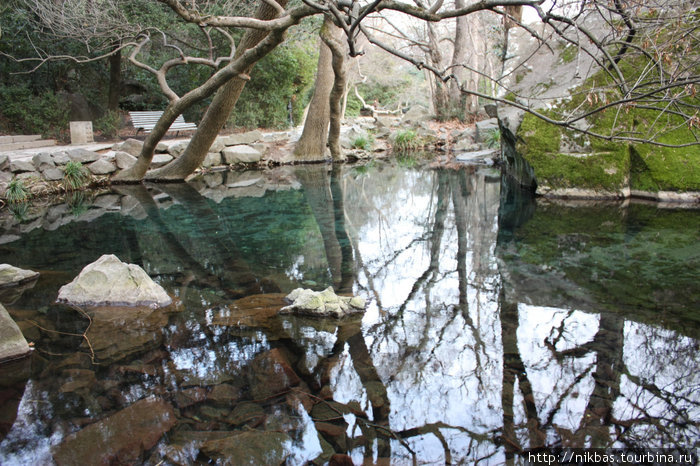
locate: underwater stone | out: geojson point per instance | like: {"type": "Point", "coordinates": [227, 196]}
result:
{"type": "Point", "coordinates": [109, 281]}
{"type": "Point", "coordinates": [251, 447]}
{"type": "Point", "coordinates": [120, 438]}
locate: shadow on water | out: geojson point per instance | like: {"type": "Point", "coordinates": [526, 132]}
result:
{"type": "Point", "coordinates": [494, 323]}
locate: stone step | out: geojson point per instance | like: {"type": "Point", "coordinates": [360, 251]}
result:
{"type": "Point", "coordinates": [27, 144]}
{"type": "Point", "coordinates": [27, 138]}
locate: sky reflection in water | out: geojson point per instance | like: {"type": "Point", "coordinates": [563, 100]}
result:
{"type": "Point", "coordinates": [492, 326]}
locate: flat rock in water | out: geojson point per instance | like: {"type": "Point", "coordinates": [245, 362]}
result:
{"type": "Point", "coordinates": [11, 276]}
{"type": "Point", "coordinates": [110, 282]}
{"type": "Point", "coordinates": [322, 303]}
{"type": "Point", "coordinates": [271, 374]}
{"type": "Point", "coordinates": [12, 342]}
{"type": "Point", "coordinates": [120, 438]}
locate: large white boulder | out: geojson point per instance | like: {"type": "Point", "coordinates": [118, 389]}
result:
{"type": "Point", "coordinates": [109, 281]}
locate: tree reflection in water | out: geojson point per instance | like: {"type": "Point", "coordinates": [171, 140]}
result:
{"type": "Point", "coordinates": [458, 358]}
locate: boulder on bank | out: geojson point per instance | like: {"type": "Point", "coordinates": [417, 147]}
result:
{"type": "Point", "coordinates": [241, 154]}
{"type": "Point", "coordinates": [322, 303]}
{"type": "Point", "coordinates": [110, 282]}
{"type": "Point", "coordinates": [12, 342]}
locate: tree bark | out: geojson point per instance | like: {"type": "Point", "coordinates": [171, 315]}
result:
{"type": "Point", "coordinates": [440, 95]}
{"type": "Point", "coordinates": [311, 147]}
{"type": "Point", "coordinates": [330, 38]}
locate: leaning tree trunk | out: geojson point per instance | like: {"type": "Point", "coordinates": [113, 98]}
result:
{"type": "Point", "coordinates": [236, 70]}
{"type": "Point", "coordinates": [218, 111]}
{"type": "Point", "coordinates": [311, 147]}
{"type": "Point", "coordinates": [335, 102]}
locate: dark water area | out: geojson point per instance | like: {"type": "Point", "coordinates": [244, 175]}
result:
{"type": "Point", "coordinates": [494, 323]}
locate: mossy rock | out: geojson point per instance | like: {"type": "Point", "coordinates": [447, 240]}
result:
{"type": "Point", "coordinates": [610, 165]}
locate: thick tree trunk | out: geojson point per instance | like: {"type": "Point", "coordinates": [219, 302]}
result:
{"type": "Point", "coordinates": [330, 38]}
{"type": "Point", "coordinates": [441, 98]}
{"type": "Point", "coordinates": [311, 147]}
{"type": "Point", "coordinates": [115, 80]}
{"type": "Point", "coordinates": [459, 102]}
{"type": "Point", "coordinates": [218, 111]}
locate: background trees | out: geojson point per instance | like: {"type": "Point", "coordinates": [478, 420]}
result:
{"type": "Point", "coordinates": [632, 58]}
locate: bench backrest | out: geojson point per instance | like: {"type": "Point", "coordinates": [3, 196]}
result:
{"type": "Point", "coordinates": [143, 119]}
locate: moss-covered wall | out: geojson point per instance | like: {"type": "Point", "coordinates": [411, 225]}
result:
{"type": "Point", "coordinates": [607, 166]}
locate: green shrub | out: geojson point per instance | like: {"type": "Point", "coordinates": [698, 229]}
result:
{"type": "Point", "coordinates": [109, 124]}
{"type": "Point", "coordinates": [75, 176]}
{"type": "Point", "coordinates": [16, 192]}
{"type": "Point", "coordinates": [353, 106]}
{"type": "Point", "coordinates": [284, 76]}
{"type": "Point", "coordinates": [24, 112]}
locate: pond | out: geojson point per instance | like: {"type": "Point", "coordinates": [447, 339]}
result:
{"type": "Point", "coordinates": [494, 324]}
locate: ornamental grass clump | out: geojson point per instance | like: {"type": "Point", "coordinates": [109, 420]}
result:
{"type": "Point", "coordinates": [406, 140]}
{"type": "Point", "coordinates": [16, 192]}
{"type": "Point", "coordinates": [75, 176]}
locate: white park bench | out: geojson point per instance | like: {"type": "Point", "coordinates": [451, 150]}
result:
{"type": "Point", "coordinates": [146, 121]}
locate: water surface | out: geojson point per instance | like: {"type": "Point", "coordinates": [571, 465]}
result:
{"type": "Point", "coordinates": [494, 324]}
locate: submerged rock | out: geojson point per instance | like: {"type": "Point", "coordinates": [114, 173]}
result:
{"type": "Point", "coordinates": [249, 448]}
{"type": "Point", "coordinates": [322, 303]}
{"type": "Point", "coordinates": [12, 342]}
{"type": "Point", "coordinates": [120, 438]}
{"type": "Point", "coordinates": [109, 281]}
{"type": "Point", "coordinates": [271, 374]}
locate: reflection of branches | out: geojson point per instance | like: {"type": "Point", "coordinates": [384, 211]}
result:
{"type": "Point", "coordinates": [82, 335]}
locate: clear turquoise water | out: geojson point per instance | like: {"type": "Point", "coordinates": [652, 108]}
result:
{"type": "Point", "coordinates": [494, 324]}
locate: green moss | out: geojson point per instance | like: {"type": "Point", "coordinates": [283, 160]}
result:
{"type": "Point", "coordinates": [648, 167]}
{"type": "Point", "coordinates": [537, 136]}
{"type": "Point", "coordinates": [657, 168]}
{"type": "Point", "coordinates": [568, 54]}
{"type": "Point", "coordinates": [606, 170]}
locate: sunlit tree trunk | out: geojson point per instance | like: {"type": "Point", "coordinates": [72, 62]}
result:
{"type": "Point", "coordinates": [440, 94]}
{"type": "Point", "coordinates": [337, 91]}
{"type": "Point", "coordinates": [311, 147]}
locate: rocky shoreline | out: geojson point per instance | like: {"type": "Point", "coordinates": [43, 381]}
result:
{"type": "Point", "coordinates": [41, 171]}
